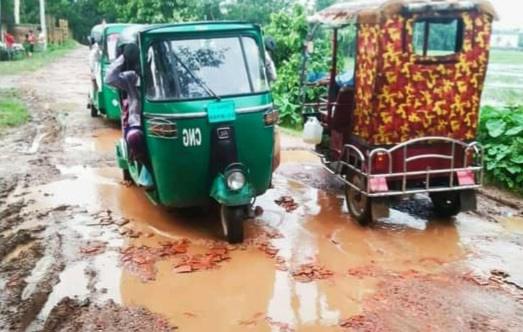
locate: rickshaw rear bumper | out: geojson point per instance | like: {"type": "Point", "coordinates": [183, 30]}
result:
{"type": "Point", "coordinates": [459, 168]}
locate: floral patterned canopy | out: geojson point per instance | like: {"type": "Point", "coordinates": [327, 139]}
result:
{"type": "Point", "coordinates": [370, 10]}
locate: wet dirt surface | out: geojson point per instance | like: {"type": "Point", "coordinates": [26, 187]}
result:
{"type": "Point", "coordinates": [82, 250]}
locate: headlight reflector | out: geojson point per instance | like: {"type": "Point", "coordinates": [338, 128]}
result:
{"type": "Point", "coordinates": [235, 180]}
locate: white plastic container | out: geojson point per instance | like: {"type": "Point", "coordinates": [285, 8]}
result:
{"type": "Point", "coordinates": [312, 131]}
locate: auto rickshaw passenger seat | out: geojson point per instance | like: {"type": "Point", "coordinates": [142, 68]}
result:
{"type": "Point", "coordinates": [342, 112]}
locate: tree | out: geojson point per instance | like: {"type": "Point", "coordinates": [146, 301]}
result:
{"type": "Point", "coordinates": [253, 10]}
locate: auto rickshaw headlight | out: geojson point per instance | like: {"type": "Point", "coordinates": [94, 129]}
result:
{"type": "Point", "coordinates": [235, 180]}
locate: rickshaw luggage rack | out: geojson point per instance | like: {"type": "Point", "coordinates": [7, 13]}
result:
{"type": "Point", "coordinates": [358, 158]}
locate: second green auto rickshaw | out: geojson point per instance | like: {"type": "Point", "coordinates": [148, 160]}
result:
{"type": "Point", "coordinates": [103, 99]}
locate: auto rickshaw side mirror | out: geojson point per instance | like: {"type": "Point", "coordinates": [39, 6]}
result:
{"type": "Point", "coordinates": [270, 44]}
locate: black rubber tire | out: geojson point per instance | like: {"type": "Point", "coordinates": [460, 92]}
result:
{"type": "Point", "coordinates": [94, 111]}
{"type": "Point", "coordinates": [446, 204]}
{"type": "Point", "coordinates": [359, 205]}
{"type": "Point", "coordinates": [127, 175]}
{"type": "Point", "coordinates": [232, 218]}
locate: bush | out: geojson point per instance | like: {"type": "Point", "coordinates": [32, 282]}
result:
{"type": "Point", "coordinates": [501, 133]}
{"type": "Point", "coordinates": [289, 29]}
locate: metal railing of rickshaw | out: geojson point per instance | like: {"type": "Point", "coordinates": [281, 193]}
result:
{"type": "Point", "coordinates": [358, 161]}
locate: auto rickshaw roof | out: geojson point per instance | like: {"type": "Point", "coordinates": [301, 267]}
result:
{"type": "Point", "coordinates": [371, 11]}
{"type": "Point", "coordinates": [98, 30]}
{"type": "Point", "coordinates": [130, 34]}
{"type": "Point", "coordinates": [205, 26]}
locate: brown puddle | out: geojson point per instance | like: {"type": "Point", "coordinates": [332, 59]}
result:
{"type": "Point", "coordinates": [248, 291]}
{"type": "Point", "coordinates": [512, 224]}
{"type": "Point", "coordinates": [101, 140]}
{"type": "Point", "coordinates": [248, 288]}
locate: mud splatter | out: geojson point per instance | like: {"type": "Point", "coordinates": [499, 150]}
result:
{"type": "Point", "coordinates": [72, 315]}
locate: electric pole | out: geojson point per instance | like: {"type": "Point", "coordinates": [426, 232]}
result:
{"type": "Point", "coordinates": [43, 25]}
{"type": "Point", "coordinates": [17, 11]}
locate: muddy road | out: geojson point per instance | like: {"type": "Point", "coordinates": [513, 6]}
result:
{"type": "Point", "coordinates": [81, 250]}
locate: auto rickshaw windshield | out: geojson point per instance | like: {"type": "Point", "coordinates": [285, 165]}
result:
{"type": "Point", "coordinates": [189, 68]}
{"type": "Point", "coordinates": [112, 41]}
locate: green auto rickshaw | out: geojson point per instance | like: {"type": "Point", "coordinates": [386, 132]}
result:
{"type": "Point", "coordinates": [207, 117]}
{"type": "Point", "coordinates": [103, 42]}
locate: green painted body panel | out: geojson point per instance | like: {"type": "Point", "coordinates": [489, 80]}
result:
{"type": "Point", "coordinates": [106, 99]}
{"type": "Point", "coordinates": [183, 173]}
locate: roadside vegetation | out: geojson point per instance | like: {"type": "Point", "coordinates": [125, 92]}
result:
{"type": "Point", "coordinates": [38, 60]}
{"type": "Point", "coordinates": [13, 111]}
{"type": "Point", "coordinates": [501, 133]}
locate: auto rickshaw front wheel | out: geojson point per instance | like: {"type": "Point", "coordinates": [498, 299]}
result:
{"type": "Point", "coordinates": [446, 203]}
{"type": "Point", "coordinates": [232, 218]}
{"type": "Point", "coordinates": [358, 204]}
{"type": "Point", "coordinates": [94, 110]}
{"type": "Point", "coordinates": [127, 175]}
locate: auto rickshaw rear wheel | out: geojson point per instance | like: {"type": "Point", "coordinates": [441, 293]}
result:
{"type": "Point", "coordinates": [127, 175]}
{"type": "Point", "coordinates": [358, 204]}
{"type": "Point", "coordinates": [446, 203]}
{"type": "Point", "coordinates": [232, 218]}
{"type": "Point", "coordinates": [94, 110]}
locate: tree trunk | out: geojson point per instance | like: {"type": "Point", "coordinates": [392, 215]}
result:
{"type": "Point", "coordinates": [43, 24]}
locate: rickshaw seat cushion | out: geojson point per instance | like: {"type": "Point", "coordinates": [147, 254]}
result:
{"type": "Point", "coordinates": [341, 116]}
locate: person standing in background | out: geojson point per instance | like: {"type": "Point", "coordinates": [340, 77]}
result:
{"type": "Point", "coordinates": [26, 43]}
{"type": "Point", "coordinates": [31, 40]}
{"type": "Point", "coordinates": [9, 41]}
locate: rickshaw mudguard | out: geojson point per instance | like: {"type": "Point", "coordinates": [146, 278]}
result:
{"type": "Point", "coordinates": [111, 103]}
{"type": "Point", "coordinates": [223, 195]}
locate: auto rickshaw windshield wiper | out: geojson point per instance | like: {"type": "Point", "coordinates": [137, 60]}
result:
{"type": "Point", "coordinates": [193, 75]}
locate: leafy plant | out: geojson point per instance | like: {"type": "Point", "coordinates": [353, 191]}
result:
{"type": "Point", "coordinates": [289, 29]}
{"type": "Point", "coordinates": [13, 112]}
{"type": "Point", "coordinates": [501, 133]}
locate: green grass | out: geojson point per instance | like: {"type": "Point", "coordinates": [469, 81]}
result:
{"type": "Point", "coordinates": [38, 60]}
{"type": "Point", "coordinates": [508, 57]}
{"type": "Point", "coordinates": [504, 83]}
{"type": "Point", "coordinates": [13, 111]}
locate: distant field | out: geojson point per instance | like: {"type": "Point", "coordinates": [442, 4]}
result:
{"type": "Point", "coordinates": [504, 83]}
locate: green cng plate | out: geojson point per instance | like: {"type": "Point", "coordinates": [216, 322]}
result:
{"type": "Point", "coordinates": [221, 111]}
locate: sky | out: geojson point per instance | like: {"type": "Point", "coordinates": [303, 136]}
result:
{"type": "Point", "coordinates": [510, 13]}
